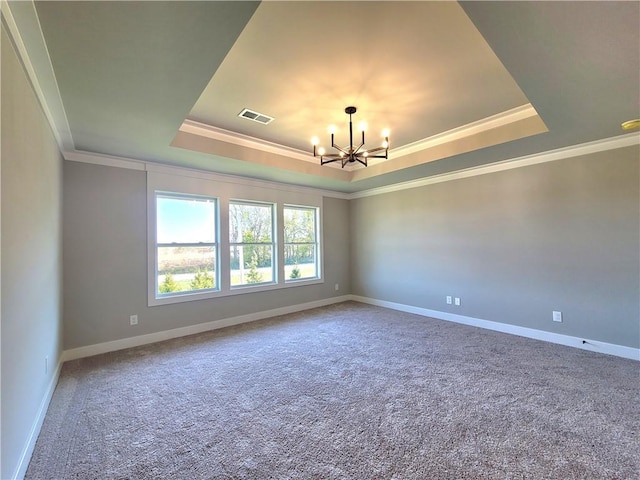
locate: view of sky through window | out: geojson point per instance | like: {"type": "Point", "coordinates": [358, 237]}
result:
{"type": "Point", "coordinates": [185, 221]}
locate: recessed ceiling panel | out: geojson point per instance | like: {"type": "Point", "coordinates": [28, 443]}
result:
{"type": "Point", "coordinates": [420, 69]}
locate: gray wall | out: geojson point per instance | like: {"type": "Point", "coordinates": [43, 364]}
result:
{"type": "Point", "coordinates": [514, 245]}
{"type": "Point", "coordinates": [105, 258]}
{"type": "Point", "coordinates": [31, 257]}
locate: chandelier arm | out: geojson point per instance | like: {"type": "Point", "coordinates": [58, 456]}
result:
{"type": "Point", "coordinates": [331, 160]}
{"type": "Point", "coordinates": [363, 162]}
{"type": "Point", "coordinates": [340, 149]}
{"type": "Point", "coordinates": [356, 151]}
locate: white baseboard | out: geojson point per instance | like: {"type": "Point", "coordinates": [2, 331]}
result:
{"type": "Point", "coordinates": [585, 344]}
{"type": "Point", "coordinates": [139, 340]}
{"type": "Point", "coordinates": [25, 458]}
{"type": "Point", "coordinates": [577, 342]}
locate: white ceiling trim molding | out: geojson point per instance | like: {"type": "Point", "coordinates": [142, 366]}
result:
{"type": "Point", "coordinates": [215, 133]}
{"type": "Point", "coordinates": [485, 124]}
{"type": "Point", "coordinates": [104, 160]}
{"type": "Point", "coordinates": [51, 102]}
{"type": "Point", "coordinates": [613, 143]}
{"type": "Point", "coordinates": [131, 164]}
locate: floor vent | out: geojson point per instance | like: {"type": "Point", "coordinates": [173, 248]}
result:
{"type": "Point", "coordinates": [255, 116]}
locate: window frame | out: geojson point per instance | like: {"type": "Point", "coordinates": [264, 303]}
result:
{"type": "Point", "coordinates": [226, 189]}
{"type": "Point", "coordinates": [316, 243]}
{"type": "Point", "coordinates": [273, 243]}
{"type": "Point", "coordinates": [157, 245]}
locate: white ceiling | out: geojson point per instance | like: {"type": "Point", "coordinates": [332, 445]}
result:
{"type": "Point", "coordinates": [459, 84]}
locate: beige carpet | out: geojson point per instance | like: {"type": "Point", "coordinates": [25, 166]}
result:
{"type": "Point", "coordinates": [348, 391]}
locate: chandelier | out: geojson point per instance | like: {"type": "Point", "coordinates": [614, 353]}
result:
{"type": "Point", "coordinates": [352, 153]}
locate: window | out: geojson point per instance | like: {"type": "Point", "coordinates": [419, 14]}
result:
{"type": "Point", "coordinates": [211, 236]}
{"type": "Point", "coordinates": [251, 243]}
{"type": "Point", "coordinates": [300, 243]}
{"type": "Point", "coordinates": [186, 244]}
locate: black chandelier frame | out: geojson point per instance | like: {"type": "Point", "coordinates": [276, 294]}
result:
{"type": "Point", "coordinates": [352, 154]}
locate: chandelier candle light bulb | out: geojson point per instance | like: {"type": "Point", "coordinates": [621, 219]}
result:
{"type": "Point", "coordinates": [352, 153]}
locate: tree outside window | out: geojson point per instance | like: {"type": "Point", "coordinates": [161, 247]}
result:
{"type": "Point", "coordinates": [251, 243]}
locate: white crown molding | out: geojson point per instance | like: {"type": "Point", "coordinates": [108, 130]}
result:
{"type": "Point", "coordinates": [105, 160]}
{"type": "Point", "coordinates": [613, 143]}
{"type": "Point", "coordinates": [567, 340]}
{"type": "Point", "coordinates": [489, 123]}
{"type": "Point", "coordinates": [51, 103]}
{"type": "Point", "coordinates": [215, 133]}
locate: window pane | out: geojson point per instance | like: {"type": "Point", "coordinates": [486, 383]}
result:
{"type": "Point", "coordinates": [250, 223]}
{"type": "Point", "coordinates": [300, 261]}
{"type": "Point", "coordinates": [185, 220]}
{"type": "Point", "coordinates": [299, 225]}
{"type": "Point", "coordinates": [300, 248]}
{"type": "Point", "coordinates": [185, 269]}
{"type": "Point", "coordinates": [251, 264]}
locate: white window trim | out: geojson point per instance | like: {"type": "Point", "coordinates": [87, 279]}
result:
{"type": "Point", "coordinates": [273, 243]}
{"type": "Point", "coordinates": [224, 190]}
{"type": "Point", "coordinates": [317, 243]}
{"type": "Point", "coordinates": [215, 244]}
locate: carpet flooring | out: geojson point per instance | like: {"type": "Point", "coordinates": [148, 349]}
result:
{"type": "Point", "coordinates": [348, 391]}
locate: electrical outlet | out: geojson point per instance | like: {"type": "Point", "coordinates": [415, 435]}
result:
{"type": "Point", "coordinates": [557, 316]}
{"type": "Point", "coordinates": [457, 301]}
{"type": "Point", "coordinates": [449, 301]}
{"type": "Point", "coordinates": [133, 320]}
{"type": "Point", "coordinates": [337, 287]}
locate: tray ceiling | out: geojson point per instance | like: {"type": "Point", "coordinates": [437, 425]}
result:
{"type": "Point", "coordinates": [459, 84]}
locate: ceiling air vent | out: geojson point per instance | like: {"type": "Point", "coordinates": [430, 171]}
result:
{"type": "Point", "coordinates": [255, 116]}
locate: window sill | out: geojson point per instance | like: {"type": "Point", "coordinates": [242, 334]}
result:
{"type": "Point", "coordinates": [238, 290]}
